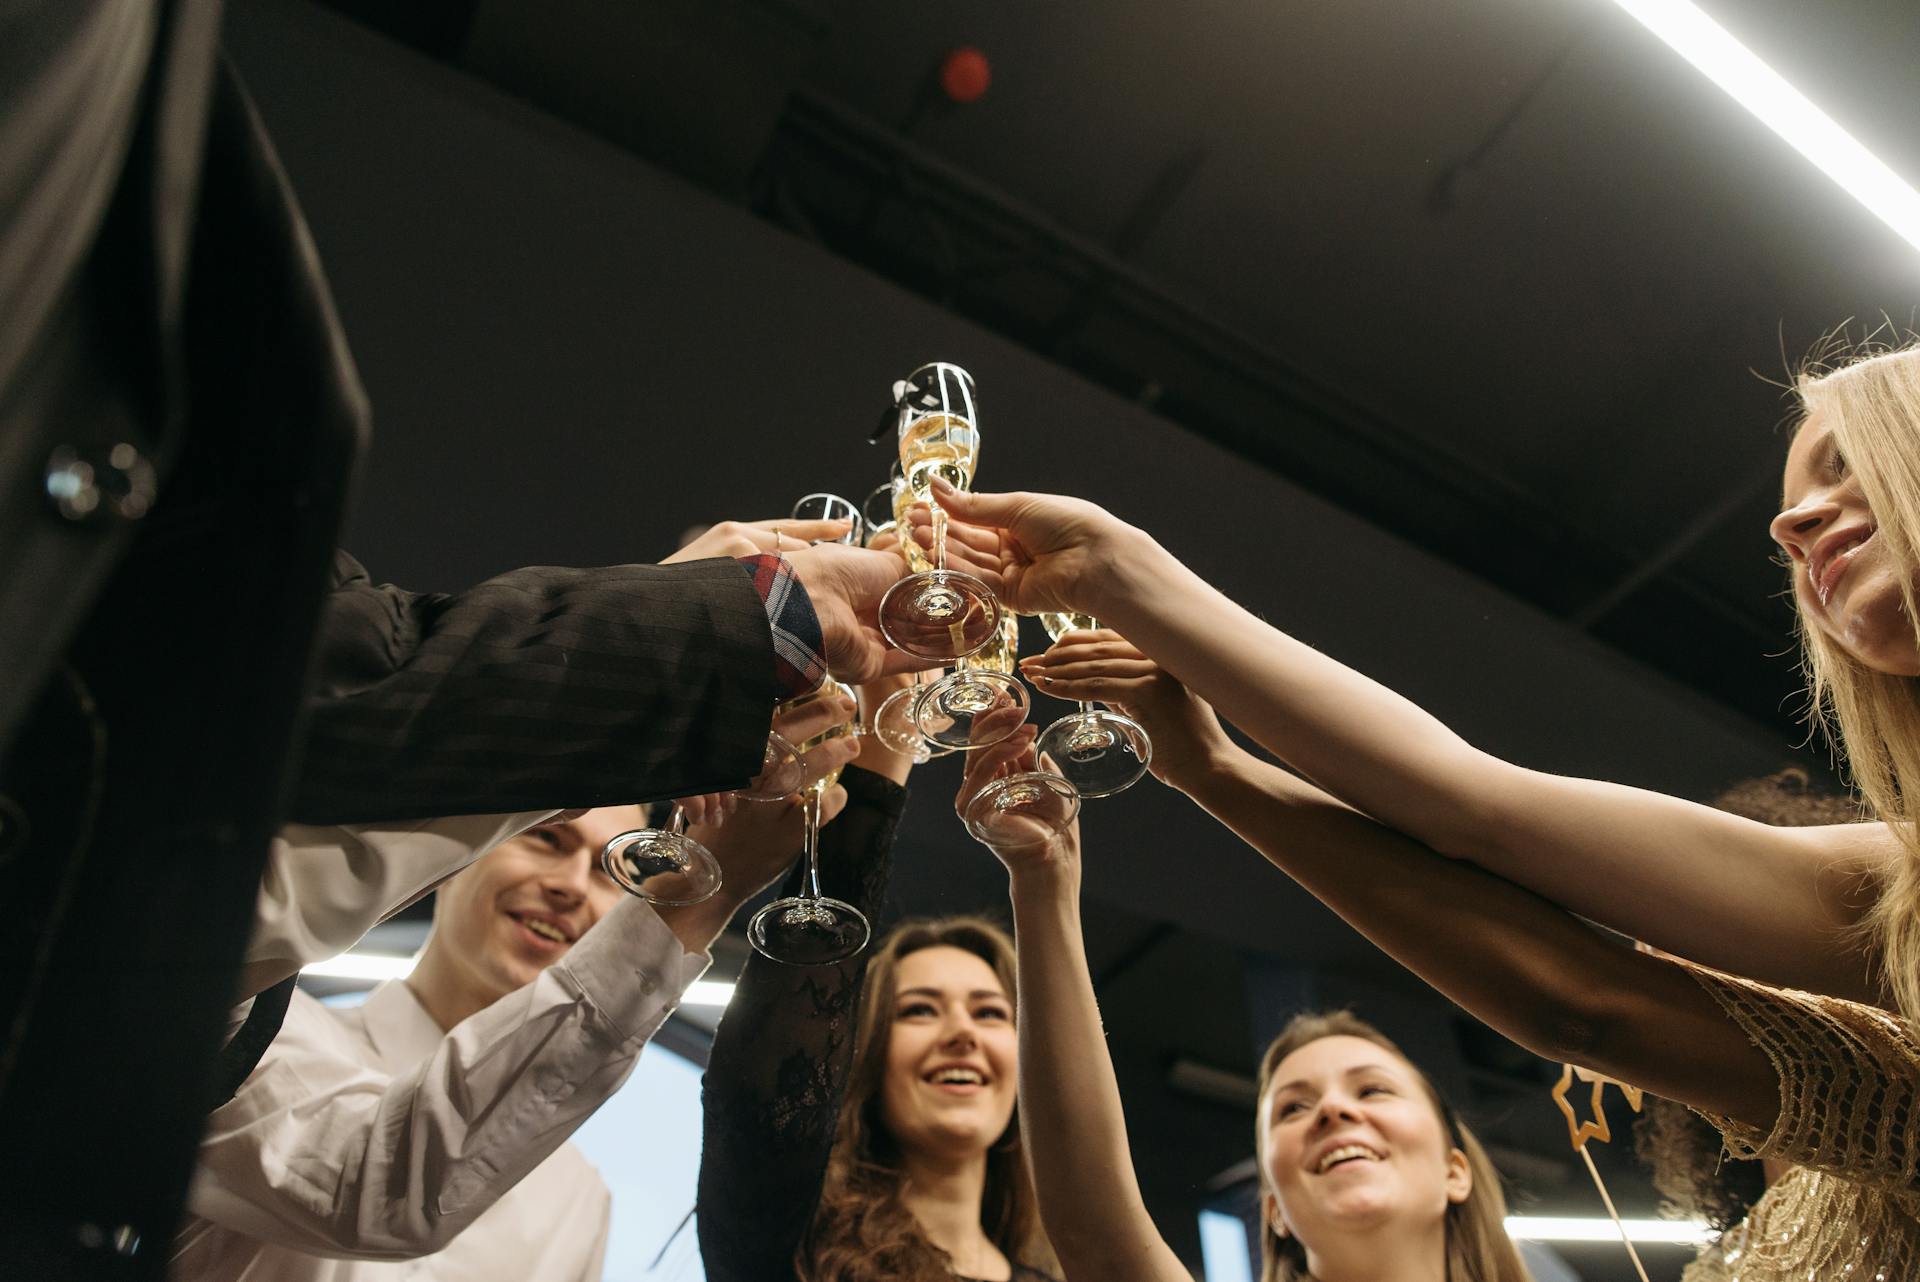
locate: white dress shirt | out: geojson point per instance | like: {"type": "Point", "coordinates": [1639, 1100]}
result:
{"type": "Point", "coordinates": [371, 1134]}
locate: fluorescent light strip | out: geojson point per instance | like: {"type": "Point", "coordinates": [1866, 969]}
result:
{"type": "Point", "coordinates": [1783, 109]}
{"type": "Point", "coordinates": [379, 966]}
{"type": "Point", "coordinates": [361, 966]}
{"type": "Point", "coordinates": [1556, 1228]}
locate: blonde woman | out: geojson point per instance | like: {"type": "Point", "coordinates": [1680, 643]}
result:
{"type": "Point", "coordinates": [1365, 1171]}
{"type": "Point", "coordinates": [1781, 905]}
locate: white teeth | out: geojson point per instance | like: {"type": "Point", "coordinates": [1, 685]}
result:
{"type": "Point", "coordinates": [1344, 1152]}
{"type": "Point", "coordinates": [959, 1076]}
{"type": "Point", "coordinates": [543, 930]}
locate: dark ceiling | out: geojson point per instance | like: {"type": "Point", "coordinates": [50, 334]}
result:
{"type": "Point", "coordinates": [1504, 278]}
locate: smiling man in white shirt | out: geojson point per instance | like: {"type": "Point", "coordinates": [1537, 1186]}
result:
{"type": "Point", "coordinates": [422, 1135]}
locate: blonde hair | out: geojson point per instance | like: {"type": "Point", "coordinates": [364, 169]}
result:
{"type": "Point", "coordinates": [862, 1230]}
{"type": "Point", "coordinates": [1478, 1248]}
{"type": "Point", "coordinates": [1872, 719]}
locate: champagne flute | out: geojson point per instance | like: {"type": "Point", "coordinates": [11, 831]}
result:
{"type": "Point", "coordinates": [811, 929]}
{"type": "Point", "coordinates": [937, 613]}
{"type": "Point", "coordinates": [949, 712]}
{"type": "Point", "coordinates": [1096, 749]}
{"type": "Point", "coordinates": [662, 865]}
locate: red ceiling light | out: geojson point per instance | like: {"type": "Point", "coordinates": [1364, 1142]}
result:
{"type": "Point", "coordinates": [964, 74]}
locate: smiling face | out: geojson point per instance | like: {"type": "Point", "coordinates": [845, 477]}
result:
{"type": "Point", "coordinates": [520, 908]}
{"type": "Point", "coordinates": [1351, 1142]}
{"type": "Point", "coordinates": [951, 1069]}
{"type": "Point", "coordinates": [1846, 583]}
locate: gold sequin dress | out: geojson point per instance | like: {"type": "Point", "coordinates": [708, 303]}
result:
{"type": "Point", "coordinates": [1849, 1122]}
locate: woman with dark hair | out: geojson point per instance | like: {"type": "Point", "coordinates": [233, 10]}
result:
{"type": "Point", "coordinates": [859, 1118]}
{"type": "Point", "coordinates": [927, 1179]}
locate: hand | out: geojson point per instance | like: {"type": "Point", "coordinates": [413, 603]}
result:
{"type": "Point", "coordinates": [760, 841]}
{"type": "Point", "coordinates": [752, 852]}
{"type": "Point", "coordinates": [802, 719]}
{"type": "Point", "coordinates": [1025, 844]}
{"type": "Point", "coordinates": [1036, 551]}
{"type": "Point", "coordinates": [748, 538]}
{"type": "Point", "coordinates": [1102, 667]}
{"type": "Point", "coordinates": [845, 585]}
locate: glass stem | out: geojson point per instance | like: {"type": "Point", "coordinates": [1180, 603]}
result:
{"type": "Point", "coordinates": [810, 889]}
{"type": "Point", "coordinates": [939, 536]}
{"type": "Point", "coordinates": [677, 821]}
{"type": "Point", "coordinates": [1088, 707]}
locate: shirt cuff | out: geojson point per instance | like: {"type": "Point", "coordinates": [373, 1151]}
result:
{"type": "Point", "coordinates": [632, 969]}
{"type": "Point", "coordinates": [799, 646]}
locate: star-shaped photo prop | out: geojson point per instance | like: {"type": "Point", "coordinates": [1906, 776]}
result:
{"type": "Point", "coordinates": [1597, 1129]}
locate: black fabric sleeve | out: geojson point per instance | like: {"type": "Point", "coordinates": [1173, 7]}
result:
{"type": "Point", "coordinates": [541, 688]}
{"type": "Point", "coordinates": [778, 1072]}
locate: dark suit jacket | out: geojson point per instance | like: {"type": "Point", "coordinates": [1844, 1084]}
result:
{"type": "Point", "coordinates": [160, 293]}
{"type": "Point", "coordinates": [543, 687]}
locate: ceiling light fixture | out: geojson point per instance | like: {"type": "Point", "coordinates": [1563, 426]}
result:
{"type": "Point", "coordinates": [1567, 1228]}
{"type": "Point", "coordinates": [379, 966]}
{"type": "Point", "coordinates": [1783, 109]}
{"type": "Point", "coordinates": [361, 966]}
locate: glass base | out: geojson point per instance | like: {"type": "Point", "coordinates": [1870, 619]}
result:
{"type": "Point", "coordinates": [952, 712]}
{"type": "Point", "coordinates": [663, 868]}
{"type": "Point", "coordinates": [894, 727]}
{"type": "Point", "coordinates": [808, 932]}
{"type": "Point", "coordinates": [1029, 809]}
{"type": "Point", "coordinates": [1099, 753]}
{"type": "Point", "coordinates": [941, 615]}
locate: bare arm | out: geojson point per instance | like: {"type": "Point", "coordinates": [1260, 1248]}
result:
{"type": "Point", "coordinates": [1523, 965]}
{"type": "Point", "coordinates": [1769, 902]}
{"type": "Point", "coordinates": [1071, 1119]}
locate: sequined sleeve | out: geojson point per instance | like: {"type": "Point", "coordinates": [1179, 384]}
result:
{"type": "Point", "coordinates": [1849, 1083]}
{"type": "Point", "coordinates": [780, 1060]}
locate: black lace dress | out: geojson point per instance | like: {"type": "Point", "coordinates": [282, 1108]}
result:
{"type": "Point", "coordinates": [778, 1072]}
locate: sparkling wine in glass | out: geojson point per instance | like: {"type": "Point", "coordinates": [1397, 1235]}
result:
{"type": "Point", "coordinates": [1095, 749]}
{"type": "Point", "coordinates": [812, 929]}
{"type": "Point", "coordinates": [937, 613]}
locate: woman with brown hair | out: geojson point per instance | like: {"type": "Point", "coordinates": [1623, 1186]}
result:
{"type": "Point", "coordinates": [879, 1151]}
{"type": "Point", "coordinates": [859, 1118]}
{"type": "Point", "coordinates": [927, 1179]}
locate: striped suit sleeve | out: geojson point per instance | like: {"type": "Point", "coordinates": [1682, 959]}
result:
{"type": "Point", "coordinates": [543, 688]}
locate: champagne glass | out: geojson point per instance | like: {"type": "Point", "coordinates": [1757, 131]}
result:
{"type": "Point", "coordinates": [811, 929]}
{"type": "Point", "coordinates": [881, 509]}
{"type": "Point", "coordinates": [662, 865]}
{"type": "Point", "coordinates": [1096, 749]}
{"type": "Point", "coordinates": [893, 724]}
{"type": "Point", "coordinates": [831, 507]}
{"type": "Point", "coordinates": [949, 712]}
{"type": "Point", "coordinates": [1030, 808]}
{"type": "Point", "coordinates": [938, 613]}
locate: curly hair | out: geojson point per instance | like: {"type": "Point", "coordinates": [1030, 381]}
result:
{"type": "Point", "coordinates": [1687, 1155]}
{"type": "Point", "coordinates": [862, 1230]}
